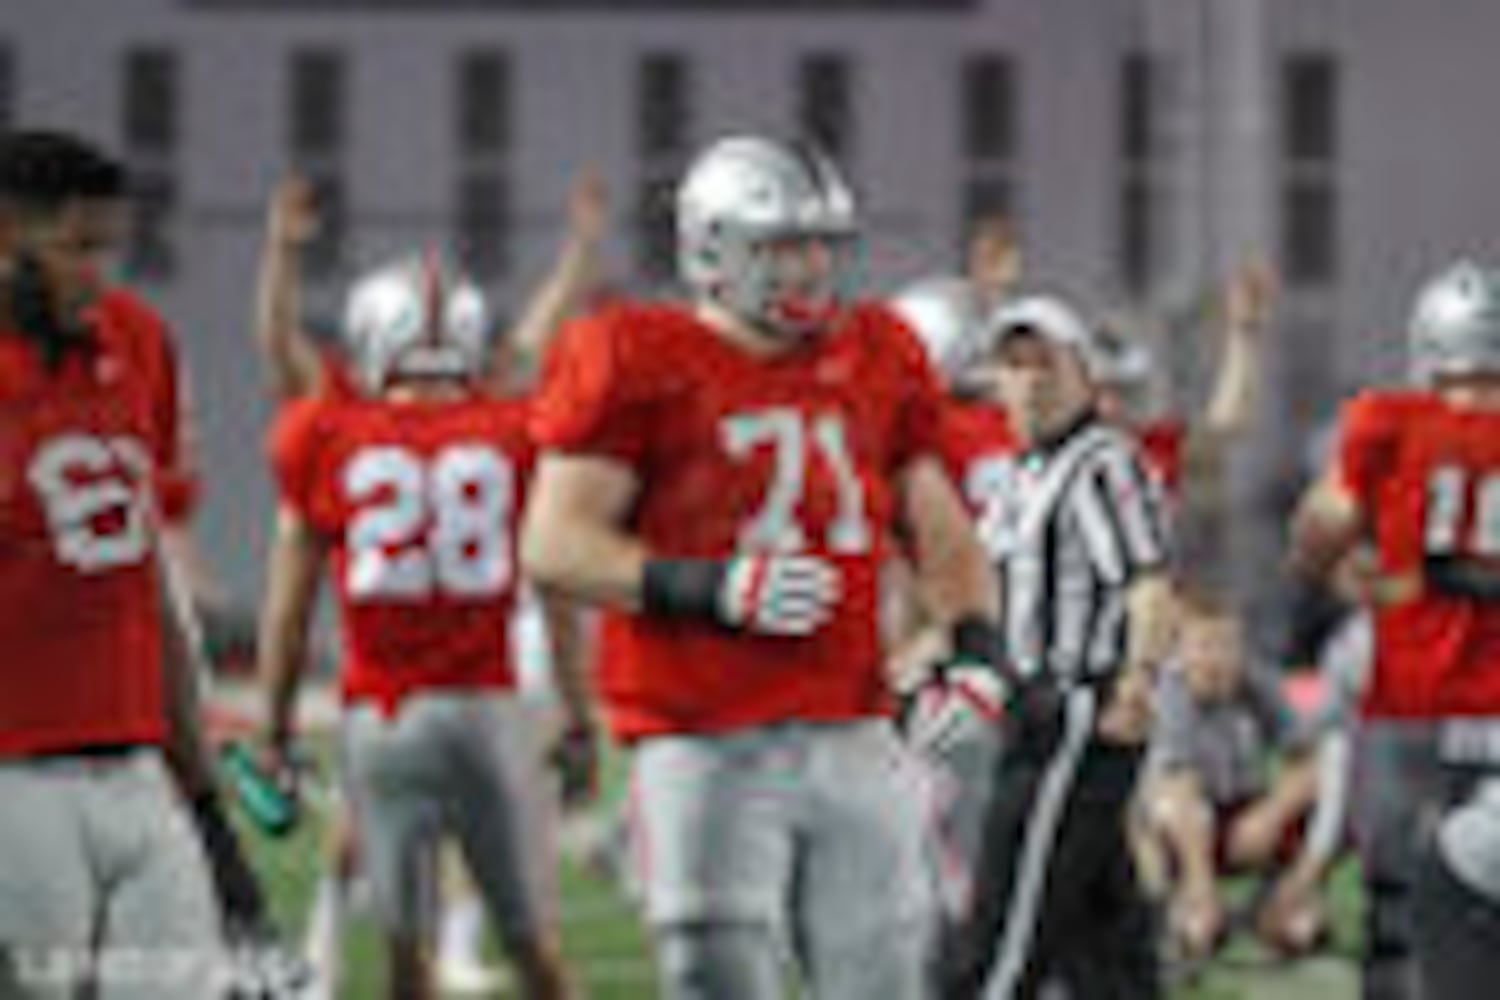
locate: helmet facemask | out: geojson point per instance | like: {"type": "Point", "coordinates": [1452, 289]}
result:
{"type": "Point", "coordinates": [794, 287]}
{"type": "Point", "coordinates": [767, 232]}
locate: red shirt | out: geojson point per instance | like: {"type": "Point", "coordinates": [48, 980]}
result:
{"type": "Point", "coordinates": [419, 504]}
{"type": "Point", "coordinates": [83, 450]}
{"type": "Point", "coordinates": [738, 453]}
{"type": "Point", "coordinates": [979, 451]}
{"type": "Point", "coordinates": [1427, 477]}
{"type": "Point", "coordinates": [1162, 442]}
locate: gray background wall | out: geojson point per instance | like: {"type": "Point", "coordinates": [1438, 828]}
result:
{"type": "Point", "coordinates": [1412, 175]}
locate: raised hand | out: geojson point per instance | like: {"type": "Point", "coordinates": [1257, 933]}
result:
{"type": "Point", "coordinates": [292, 218]}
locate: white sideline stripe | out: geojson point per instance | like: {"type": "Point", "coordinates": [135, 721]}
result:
{"type": "Point", "coordinates": [1036, 851]}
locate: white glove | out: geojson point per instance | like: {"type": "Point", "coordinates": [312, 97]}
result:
{"type": "Point", "coordinates": [779, 595]}
{"type": "Point", "coordinates": [964, 703]}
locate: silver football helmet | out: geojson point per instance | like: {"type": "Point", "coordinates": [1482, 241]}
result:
{"type": "Point", "coordinates": [946, 315]}
{"type": "Point", "coordinates": [745, 198]}
{"type": "Point", "coordinates": [1455, 324]}
{"type": "Point", "coordinates": [1120, 359]}
{"type": "Point", "coordinates": [418, 317]}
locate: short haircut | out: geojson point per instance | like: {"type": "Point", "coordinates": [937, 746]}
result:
{"type": "Point", "coordinates": [1202, 601]}
{"type": "Point", "coordinates": [43, 170]}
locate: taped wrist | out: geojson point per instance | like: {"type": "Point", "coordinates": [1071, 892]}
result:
{"type": "Point", "coordinates": [975, 639]}
{"type": "Point", "coordinates": [683, 588]}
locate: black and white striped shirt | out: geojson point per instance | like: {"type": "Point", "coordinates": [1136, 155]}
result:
{"type": "Point", "coordinates": [1085, 519]}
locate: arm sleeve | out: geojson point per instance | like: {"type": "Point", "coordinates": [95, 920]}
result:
{"type": "Point", "coordinates": [1119, 510]}
{"type": "Point", "coordinates": [1365, 446]}
{"type": "Point", "coordinates": [292, 447]}
{"type": "Point", "coordinates": [588, 401]}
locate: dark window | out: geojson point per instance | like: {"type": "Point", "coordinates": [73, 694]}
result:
{"type": "Point", "coordinates": [985, 197]}
{"type": "Point", "coordinates": [484, 223]}
{"type": "Point", "coordinates": [825, 103]}
{"type": "Point", "coordinates": [656, 238]}
{"type": "Point", "coordinates": [149, 95]}
{"type": "Point", "coordinates": [483, 102]}
{"type": "Point", "coordinates": [149, 251]}
{"type": "Point", "coordinates": [1309, 113]}
{"type": "Point", "coordinates": [317, 102]}
{"type": "Point", "coordinates": [324, 255]}
{"type": "Point", "coordinates": [1138, 71]}
{"type": "Point", "coordinates": [664, 106]}
{"type": "Point", "coordinates": [989, 107]}
{"type": "Point", "coordinates": [7, 84]}
{"type": "Point", "coordinates": [1137, 232]}
{"type": "Point", "coordinates": [1309, 232]}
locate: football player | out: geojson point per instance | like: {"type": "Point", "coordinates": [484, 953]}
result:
{"type": "Point", "coordinates": [726, 475]}
{"type": "Point", "coordinates": [979, 451]}
{"type": "Point", "coordinates": [104, 884]}
{"type": "Point", "coordinates": [1415, 476]}
{"type": "Point", "coordinates": [409, 494]}
{"type": "Point", "coordinates": [296, 366]}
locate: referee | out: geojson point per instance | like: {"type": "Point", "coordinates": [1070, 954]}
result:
{"type": "Point", "coordinates": [1086, 602]}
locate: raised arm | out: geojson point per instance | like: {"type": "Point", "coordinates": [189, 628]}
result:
{"type": "Point", "coordinates": [573, 275]}
{"type": "Point", "coordinates": [1247, 306]}
{"type": "Point", "coordinates": [293, 366]}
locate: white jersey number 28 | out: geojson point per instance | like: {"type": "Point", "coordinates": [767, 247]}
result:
{"type": "Point", "coordinates": [430, 525]}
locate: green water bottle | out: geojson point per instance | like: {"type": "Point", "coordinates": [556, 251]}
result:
{"type": "Point", "coordinates": [269, 804]}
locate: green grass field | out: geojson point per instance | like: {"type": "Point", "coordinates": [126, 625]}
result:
{"type": "Point", "coordinates": [609, 950]}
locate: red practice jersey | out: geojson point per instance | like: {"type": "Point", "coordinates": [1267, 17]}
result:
{"type": "Point", "coordinates": [979, 451]}
{"type": "Point", "coordinates": [84, 450]}
{"type": "Point", "coordinates": [1427, 477]}
{"type": "Point", "coordinates": [1162, 444]}
{"type": "Point", "coordinates": [735, 453]}
{"type": "Point", "coordinates": [418, 504]}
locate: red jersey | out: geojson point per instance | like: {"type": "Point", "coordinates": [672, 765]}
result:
{"type": "Point", "coordinates": [1162, 443]}
{"type": "Point", "coordinates": [1427, 477]}
{"type": "Point", "coordinates": [734, 452]}
{"type": "Point", "coordinates": [979, 451]}
{"type": "Point", "coordinates": [84, 449]}
{"type": "Point", "coordinates": [419, 504]}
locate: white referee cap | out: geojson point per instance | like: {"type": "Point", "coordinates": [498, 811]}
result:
{"type": "Point", "coordinates": [1051, 318]}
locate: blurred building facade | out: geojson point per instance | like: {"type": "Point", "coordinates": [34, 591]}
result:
{"type": "Point", "coordinates": [1143, 146]}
